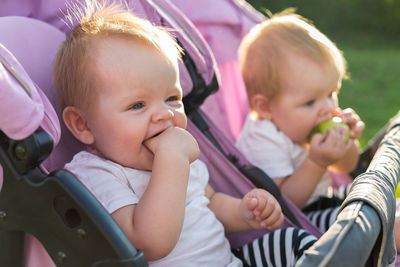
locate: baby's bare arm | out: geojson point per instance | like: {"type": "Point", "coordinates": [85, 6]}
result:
{"type": "Point", "coordinates": [323, 152]}
{"type": "Point", "coordinates": [155, 223]}
{"type": "Point", "coordinates": [299, 186]}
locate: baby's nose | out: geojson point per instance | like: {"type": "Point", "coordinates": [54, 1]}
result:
{"type": "Point", "coordinates": [162, 114]}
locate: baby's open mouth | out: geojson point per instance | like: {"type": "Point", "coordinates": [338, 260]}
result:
{"type": "Point", "coordinates": [157, 134]}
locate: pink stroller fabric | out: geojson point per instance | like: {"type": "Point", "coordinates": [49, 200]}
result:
{"type": "Point", "coordinates": [227, 107]}
{"type": "Point", "coordinates": [29, 49]}
{"type": "Point", "coordinates": [18, 92]}
{"type": "Point", "coordinates": [223, 27]}
{"type": "Point", "coordinates": [18, 125]}
{"type": "Point", "coordinates": [49, 11]}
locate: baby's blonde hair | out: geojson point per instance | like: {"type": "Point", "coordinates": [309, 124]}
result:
{"type": "Point", "coordinates": [96, 20]}
{"type": "Point", "coordinates": [262, 51]}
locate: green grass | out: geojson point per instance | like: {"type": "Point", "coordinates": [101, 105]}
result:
{"type": "Point", "coordinates": [373, 90]}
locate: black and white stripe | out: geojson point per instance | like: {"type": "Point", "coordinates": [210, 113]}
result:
{"type": "Point", "coordinates": [280, 248]}
{"type": "Point", "coordinates": [324, 218]}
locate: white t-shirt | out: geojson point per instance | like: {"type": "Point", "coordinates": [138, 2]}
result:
{"type": "Point", "coordinates": [272, 151]}
{"type": "Point", "coordinates": [202, 241]}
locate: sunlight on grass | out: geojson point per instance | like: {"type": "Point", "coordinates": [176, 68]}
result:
{"type": "Point", "coordinates": [373, 90]}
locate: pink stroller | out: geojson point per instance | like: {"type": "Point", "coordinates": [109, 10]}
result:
{"type": "Point", "coordinates": [73, 216]}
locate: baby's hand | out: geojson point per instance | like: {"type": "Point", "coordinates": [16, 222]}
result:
{"type": "Point", "coordinates": [326, 150]}
{"type": "Point", "coordinates": [351, 118]}
{"type": "Point", "coordinates": [174, 141]}
{"type": "Point", "coordinates": [261, 210]}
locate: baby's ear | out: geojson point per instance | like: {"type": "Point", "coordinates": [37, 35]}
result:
{"type": "Point", "coordinates": [261, 105]}
{"type": "Point", "coordinates": [77, 125]}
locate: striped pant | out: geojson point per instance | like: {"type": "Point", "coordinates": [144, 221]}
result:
{"type": "Point", "coordinates": [323, 218]}
{"type": "Point", "coordinates": [282, 247]}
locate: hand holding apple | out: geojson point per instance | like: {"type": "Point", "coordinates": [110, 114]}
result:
{"type": "Point", "coordinates": [324, 126]}
{"type": "Point", "coordinates": [351, 118]}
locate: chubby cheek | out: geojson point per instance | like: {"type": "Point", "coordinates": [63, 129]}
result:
{"type": "Point", "coordinates": [180, 119]}
{"type": "Point", "coordinates": [129, 155]}
{"type": "Point", "coordinates": [121, 147]}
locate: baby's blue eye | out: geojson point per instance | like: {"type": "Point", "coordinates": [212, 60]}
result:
{"type": "Point", "coordinates": [137, 105]}
{"type": "Point", "coordinates": [173, 98]}
{"type": "Point", "coordinates": [310, 103]}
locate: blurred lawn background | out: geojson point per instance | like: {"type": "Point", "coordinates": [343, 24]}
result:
{"type": "Point", "coordinates": [368, 33]}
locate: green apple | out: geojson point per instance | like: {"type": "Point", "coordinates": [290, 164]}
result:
{"type": "Point", "coordinates": [324, 126]}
